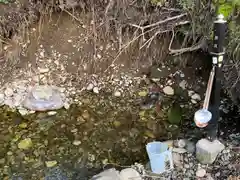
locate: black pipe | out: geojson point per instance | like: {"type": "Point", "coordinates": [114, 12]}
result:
{"type": "Point", "coordinates": [217, 53]}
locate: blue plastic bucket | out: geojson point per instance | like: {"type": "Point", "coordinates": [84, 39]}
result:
{"type": "Point", "coordinates": [159, 156]}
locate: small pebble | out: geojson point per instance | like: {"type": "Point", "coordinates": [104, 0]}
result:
{"type": "Point", "coordinates": [96, 90]}
{"type": "Point", "coordinates": [201, 172]}
{"type": "Point", "coordinates": [117, 94]}
{"type": "Point", "coordinates": [90, 87]}
{"type": "Point", "coordinates": [76, 143]}
{"type": "Point", "coordinates": [51, 113]}
{"type": "Point", "coordinates": [168, 90]}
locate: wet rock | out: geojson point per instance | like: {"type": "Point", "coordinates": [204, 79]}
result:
{"type": "Point", "coordinates": [130, 173]}
{"type": "Point", "coordinates": [55, 174]}
{"type": "Point", "coordinates": [201, 173]}
{"type": "Point", "coordinates": [168, 90]}
{"type": "Point", "coordinates": [42, 98]}
{"type": "Point", "coordinates": [206, 151]}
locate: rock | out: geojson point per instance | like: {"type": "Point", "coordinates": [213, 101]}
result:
{"type": "Point", "coordinates": [179, 150]}
{"type": "Point", "coordinates": [42, 98]}
{"type": "Point", "coordinates": [66, 105]}
{"type": "Point", "coordinates": [193, 101]}
{"type": "Point", "coordinates": [51, 113]}
{"type": "Point", "coordinates": [130, 173]}
{"type": "Point", "coordinates": [23, 112]}
{"type": "Point", "coordinates": [43, 70]}
{"type": "Point", "coordinates": [201, 173]}
{"type": "Point", "coordinates": [117, 93]}
{"type": "Point", "coordinates": [168, 90]}
{"type": "Point", "coordinates": [50, 163]}
{"type": "Point", "coordinates": [177, 159]}
{"type": "Point", "coordinates": [90, 87]}
{"type": "Point", "coordinates": [108, 174]}
{"type": "Point", "coordinates": [8, 92]}
{"type": "Point", "coordinates": [96, 90]}
{"type": "Point", "coordinates": [1, 99]}
{"type": "Point", "coordinates": [25, 144]}
{"type": "Point", "coordinates": [206, 151]}
{"type": "Point", "coordinates": [181, 143]}
{"type": "Point", "coordinates": [196, 97]}
{"type": "Point", "coordinates": [55, 174]}
{"type": "Point", "coordinates": [183, 84]}
{"type": "Point", "coordinates": [76, 143]}
{"type": "Point", "coordinates": [190, 146]}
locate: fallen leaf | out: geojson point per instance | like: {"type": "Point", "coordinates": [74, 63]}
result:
{"type": "Point", "coordinates": [142, 93]}
{"type": "Point", "coordinates": [23, 125]}
{"type": "Point", "coordinates": [149, 134]}
{"type": "Point", "coordinates": [175, 114]}
{"type": "Point", "coordinates": [51, 163]}
{"type": "Point", "coordinates": [25, 144]}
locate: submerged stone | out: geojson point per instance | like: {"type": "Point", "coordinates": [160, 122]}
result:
{"type": "Point", "coordinates": [42, 98]}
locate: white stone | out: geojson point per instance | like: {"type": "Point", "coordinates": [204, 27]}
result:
{"type": "Point", "coordinates": [90, 87]}
{"type": "Point", "coordinates": [23, 112]}
{"type": "Point", "coordinates": [183, 84]}
{"type": "Point", "coordinates": [207, 151]}
{"type": "Point", "coordinates": [190, 93]}
{"type": "Point", "coordinates": [8, 92]}
{"type": "Point", "coordinates": [168, 90]}
{"type": "Point", "coordinates": [66, 105]}
{"type": "Point", "coordinates": [43, 70]}
{"type": "Point", "coordinates": [193, 101]}
{"type": "Point", "coordinates": [117, 93]}
{"type": "Point", "coordinates": [179, 150]}
{"type": "Point", "coordinates": [201, 173]}
{"type": "Point", "coordinates": [96, 90]}
{"type": "Point", "coordinates": [196, 97]}
{"type": "Point", "coordinates": [181, 143]}
{"type": "Point", "coordinates": [76, 143]}
{"type": "Point", "coordinates": [130, 173]}
{"type": "Point", "coordinates": [109, 174]}
{"type": "Point", "coordinates": [51, 113]}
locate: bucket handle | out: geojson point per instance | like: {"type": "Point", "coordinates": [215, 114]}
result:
{"type": "Point", "coordinates": [168, 154]}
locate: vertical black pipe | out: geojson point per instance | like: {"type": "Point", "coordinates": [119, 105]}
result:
{"type": "Point", "coordinates": [218, 52]}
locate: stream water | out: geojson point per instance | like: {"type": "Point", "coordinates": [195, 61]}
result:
{"type": "Point", "coordinates": [78, 142]}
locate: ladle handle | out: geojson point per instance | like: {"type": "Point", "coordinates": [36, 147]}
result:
{"type": "Point", "coordinates": [209, 89]}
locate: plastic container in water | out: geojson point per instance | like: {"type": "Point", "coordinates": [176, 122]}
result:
{"type": "Point", "coordinates": [160, 157]}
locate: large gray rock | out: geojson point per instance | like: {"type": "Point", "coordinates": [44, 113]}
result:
{"type": "Point", "coordinates": [110, 174]}
{"type": "Point", "coordinates": [42, 98]}
{"type": "Point", "coordinates": [130, 173]}
{"type": "Point", "coordinates": [206, 151]}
